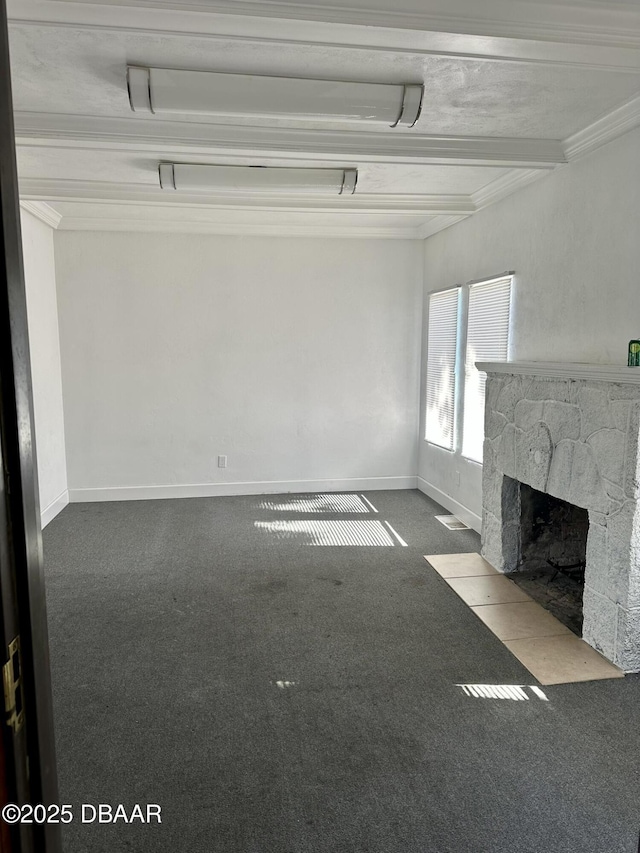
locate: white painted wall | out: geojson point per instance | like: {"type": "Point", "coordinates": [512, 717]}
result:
{"type": "Point", "coordinates": [42, 317]}
{"type": "Point", "coordinates": [297, 358]}
{"type": "Point", "coordinates": [574, 242]}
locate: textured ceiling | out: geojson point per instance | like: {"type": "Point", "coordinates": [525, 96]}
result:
{"type": "Point", "coordinates": [79, 140]}
{"type": "Point", "coordinates": [83, 72]}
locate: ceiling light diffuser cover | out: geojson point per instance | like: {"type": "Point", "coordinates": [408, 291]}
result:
{"type": "Point", "coordinates": [189, 177]}
{"type": "Point", "coordinates": [165, 90]}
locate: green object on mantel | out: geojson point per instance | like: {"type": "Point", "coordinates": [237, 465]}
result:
{"type": "Point", "coordinates": [634, 354]}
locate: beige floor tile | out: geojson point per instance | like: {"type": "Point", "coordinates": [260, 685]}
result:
{"type": "Point", "coordinates": [460, 565]}
{"type": "Point", "coordinates": [487, 590]}
{"type": "Point", "coordinates": [523, 619]}
{"type": "Point", "coordinates": [561, 660]}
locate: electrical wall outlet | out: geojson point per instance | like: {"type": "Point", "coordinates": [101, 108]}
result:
{"type": "Point", "coordinates": [222, 461]}
{"type": "Point", "coordinates": [457, 478]}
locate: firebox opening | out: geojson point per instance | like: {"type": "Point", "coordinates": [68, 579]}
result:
{"type": "Point", "coordinates": [553, 554]}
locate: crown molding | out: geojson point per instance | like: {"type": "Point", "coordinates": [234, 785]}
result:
{"type": "Point", "coordinates": [145, 217]}
{"type": "Point", "coordinates": [54, 130]}
{"type": "Point", "coordinates": [504, 186]}
{"type": "Point", "coordinates": [264, 229]}
{"type": "Point", "coordinates": [71, 190]}
{"type": "Point", "coordinates": [433, 227]}
{"type": "Point", "coordinates": [543, 38]}
{"type": "Point", "coordinates": [607, 128]}
{"type": "Point", "coordinates": [42, 211]}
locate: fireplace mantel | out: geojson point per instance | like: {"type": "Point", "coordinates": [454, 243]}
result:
{"type": "Point", "coordinates": [564, 370]}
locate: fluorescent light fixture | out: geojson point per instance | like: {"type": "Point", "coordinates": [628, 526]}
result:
{"type": "Point", "coordinates": [166, 90]}
{"type": "Point", "coordinates": [193, 177]}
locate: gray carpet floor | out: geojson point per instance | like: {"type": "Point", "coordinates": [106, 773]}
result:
{"type": "Point", "coordinates": [171, 623]}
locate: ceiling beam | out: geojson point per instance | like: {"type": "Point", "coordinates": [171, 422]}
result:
{"type": "Point", "coordinates": [604, 22]}
{"type": "Point", "coordinates": [582, 40]}
{"type": "Point", "coordinates": [47, 189]}
{"type": "Point", "coordinates": [166, 138]}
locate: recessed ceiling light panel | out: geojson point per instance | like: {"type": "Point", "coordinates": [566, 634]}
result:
{"type": "Point", "coordinates": [190, 177]}
{"type": "Point", "coordinates": [165, 91]}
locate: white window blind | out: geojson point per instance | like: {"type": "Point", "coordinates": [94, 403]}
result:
{"type": "Point", "coordinates": [487, 340]}
{"type": "Point", "coordinates": [441, 367]}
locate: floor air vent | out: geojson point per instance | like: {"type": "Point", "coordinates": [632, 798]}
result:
{"type": "Point", "coordinates": [452, 523]}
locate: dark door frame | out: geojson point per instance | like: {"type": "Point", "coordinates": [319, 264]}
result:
{"type": "Point", "coordinates": [29, 748]}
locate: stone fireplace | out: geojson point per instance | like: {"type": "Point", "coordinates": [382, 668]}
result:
{"type": "Point", "coordinates": [570, 431]}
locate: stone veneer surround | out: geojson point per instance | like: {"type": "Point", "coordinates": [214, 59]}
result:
{"type": "Point", "coordinates": [571, 431]}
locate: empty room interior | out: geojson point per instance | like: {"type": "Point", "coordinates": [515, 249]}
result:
{"type": "Point", "coordinates": [334, 323]}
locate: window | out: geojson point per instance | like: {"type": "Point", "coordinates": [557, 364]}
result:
{"type": "Point", "coordinates": [487, 340]}
{"type": "Point", "coordinates": [466, 324]}
{"type": "Point", "coordinates": [441, 367]}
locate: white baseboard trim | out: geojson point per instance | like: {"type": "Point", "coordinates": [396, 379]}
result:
{"type": "Point", "coordinates": [462, 512]}
{"type": "Point", "coordinates": [56, 506]}
{"type": "Point", "coordinates": [209, 490]}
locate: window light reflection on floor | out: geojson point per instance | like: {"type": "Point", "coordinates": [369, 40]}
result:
{"type": "Point", "coordinates": [320, 503]}
{"type": "Point", "coordinates": [361, 532]}
{"type": "Point", "coordinates": [501, 691]}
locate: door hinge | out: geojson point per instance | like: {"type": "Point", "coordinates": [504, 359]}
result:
{"type": "Point", "coordinates": [13, 690]}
